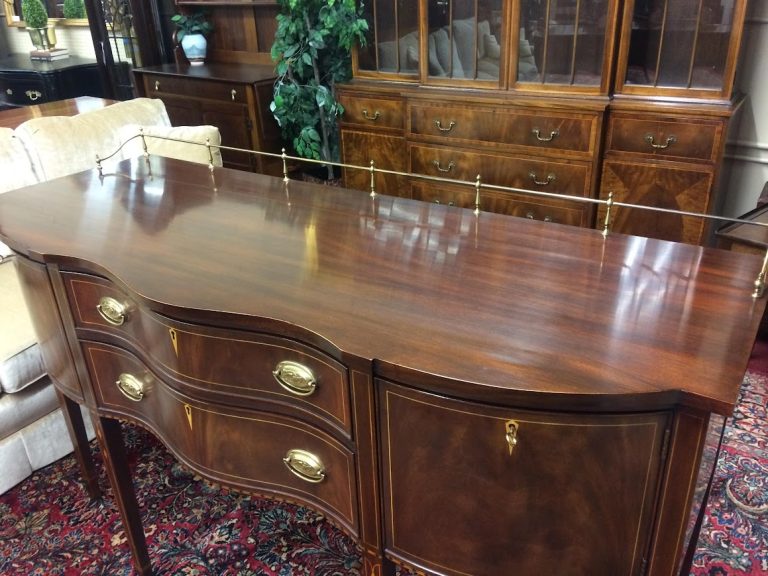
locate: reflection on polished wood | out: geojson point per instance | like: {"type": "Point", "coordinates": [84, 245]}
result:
{"type": "Point", "coordinates": [608, 354]}
{"type": "Point", "coordinates": [69, 107]}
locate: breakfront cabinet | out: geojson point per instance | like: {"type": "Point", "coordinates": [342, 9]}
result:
{"type": "Point", "coordinates": [576, 97]}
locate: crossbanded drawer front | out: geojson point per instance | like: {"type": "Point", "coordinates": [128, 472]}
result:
{"type": "Point", "coordinates": [665, 137]}
{"type": "Point", "coordinates": [228, 362]}
{"type": "Point", "coordinates": [159, 84]}
{"type": "Point", "coordinates": [247, 449]}
{"type": "Point", "coordinates": [537, 129]}
{"type": "Point", "coordinates": [372, 113]}
{"type": "Point", "coordinates": [562, 177]}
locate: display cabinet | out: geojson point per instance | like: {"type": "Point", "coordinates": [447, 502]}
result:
{"type": "Point", "coordinates": [633, 99]}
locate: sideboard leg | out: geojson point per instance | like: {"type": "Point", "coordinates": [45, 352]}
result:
{"type": "Point", "coordinates": [110, 438]}
{"type": "Point", "coordinates": [76, 427]}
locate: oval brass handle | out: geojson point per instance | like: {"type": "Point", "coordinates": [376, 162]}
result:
{"type": "Point", "coordinates": [131, 387]}
{"type": "Point", "coordinates": [550, 178]}
{"type": "Point", "coordinates": [113, 311]}
{"type": "Point", "coordinates": [670, 140]}
{"type": "Point", "coordinates": [305, 465]}
{"type": "Point", "coordinates": [510, 435]}
{"type": "Point", "coordinates": [536, 132]}
{"type": "Point", "coordinates": [33, 94]}
{"type": "Point", "coordinates": [295, 377]}
{"type": "Point", "coordinates": [436, 164]}
{"type": "Point", "coordinates": [373, 118]}
{"type": "Point", "coordinates": [233, 93]}
{"type": "Point", "coordinates": [157, 85]}
{"type": "Point", "coordinates": [440, 126]}
{"type": "Point", "coordinates": [530, 215]}
{"type": "Point", "coordinates": [548, 219]}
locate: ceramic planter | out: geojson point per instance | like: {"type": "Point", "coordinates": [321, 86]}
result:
{"type": "Point", "coordinates": [195, 47]}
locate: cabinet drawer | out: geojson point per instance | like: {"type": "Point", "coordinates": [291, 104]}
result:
{"type": "Point", "coordinates": [694, 139]}
{"type": "Point", "coordinates": [537, 129]}
{"type": "Point", "coordinates": [226, 364]}
{"type": "Point", "coordinates": [242, 448]}
{"type": "Point", "coordinates": [520, 205]}
{"type": "Point", "coordinates": [478, 471]}
{"type": "Point", "coordinates": [23, 89]}
{"type": "Point", "coordinates": [159, 84]}
{"type": "Point", "coordinates": [562, 177]}
{"type": "Point", "coordinates": [372, 112]}
{"type": "Point", "coordinates": [386, 150]}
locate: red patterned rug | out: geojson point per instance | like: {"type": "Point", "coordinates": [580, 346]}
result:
{"type": "Point", "coordinates": [48, 525]}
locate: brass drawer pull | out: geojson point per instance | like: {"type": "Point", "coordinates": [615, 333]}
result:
{"type": "Point", "coordinates": [305, 465]}
{"type": "Point", "coordinates": [440, 126]}
{"type": "Point", "coordinates": [9, 91]}
{"type": "Point", "coordinates": [131, 387]}
{"type": "Point", "coordinates": [233, 93]}
{"type": "Point", "coordinates": [157, 85]}
{"type": "Point", "coordinates": [376, 115]}
{"type": "Point", "coordinates": [33, 94]}
{"type": "Point", "coordinates": [112, 310]}
{"type": "Point", "coordinates": [436, 164]}
{"type": "Point", "coordinates": [438, 201]}
{"type": "Point", "coordinates": [550, 178]}
{"type": "Point", "coordinates": [536, 132]}
{"type": "Point", "coordinates": [670, 140]}
{"type": "Point", "coordinates": [548, 219]}
{"type": "Point", "coordinates": [510, 435]}
{"type": "Point", "coordinates": [295, 377]}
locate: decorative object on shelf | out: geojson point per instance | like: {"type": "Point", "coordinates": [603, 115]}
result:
{"type": "Point", "coordinates": [74, 9]}
{"type": "Point", "coordinates": [192, 29]}
{"type": "Point", "coordinates": [35, 15]}
{"type": "Point", "coordinates": [312, 49]}
{"type": "Point", "coordinates": [49, 55]}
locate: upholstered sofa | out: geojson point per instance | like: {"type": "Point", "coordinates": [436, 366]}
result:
{"type": "Point", "coordinates": [33, 432]}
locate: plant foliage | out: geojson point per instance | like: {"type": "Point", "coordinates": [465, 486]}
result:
{"type": "Point", "coordinates": [74, 9]}
{"type": "Point", "coordinates": [312, 49]}
{"type": "Point", "coordinates": [192, 23]}
{"type": "Point", "coordinates": [34, 14]}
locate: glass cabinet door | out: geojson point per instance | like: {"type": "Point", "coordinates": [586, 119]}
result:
{"type": "Point", "coordinates": [679, 45]}
{"type": "Point", "coordinates": [392, 42]}
{"type": "Point", "coordinates": [465, 39]}
{"type": "Point", "coordinates": [563, 43]}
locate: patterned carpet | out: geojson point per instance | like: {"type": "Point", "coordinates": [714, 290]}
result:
{"type": "Point", "coordinates": [49, 527]}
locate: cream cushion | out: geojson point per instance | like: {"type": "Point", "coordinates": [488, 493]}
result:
{"type": "Point", "coordinates": [16, 170]}
{"type": "Point", "coordinates": [50, 141]}
{"type": "Point", "coordinates": [193, 148]}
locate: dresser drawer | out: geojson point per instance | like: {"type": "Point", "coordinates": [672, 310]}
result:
{"type": "Point", "coordinates": [23, 89]}
{"type": "Point", "coordinates": [541, 130]}
{"type": "Point", "coordinates": [686, 139]}
{"type": "Point", "coordinates": [227, 364]}
{"type": "Point", "coordinates": [247, 449]}
{"type": "Point", "coordinates": [372, 112]}
{"type": "Point", "coordinates": [520, 205]}
{"type": "Point", "coordinates": [562, 177]}
{"type": "Point", "coordinates": [159, 84]}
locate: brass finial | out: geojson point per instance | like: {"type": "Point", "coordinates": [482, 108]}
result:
{"type": "Point", "coordinates": [210, 154]}
{"type": "Point", "coordinates": [373, 179]}
{"type": "Point", "coordinates": [608, 206]}
{"type": "Point", "coordinates": [477, 195]}
{"type": "Point", "coordinates": [143, 142]}
{"type": "Point", "coordinates": [760, 281]}
{"type": "Point", "coordinates": [285, 166]}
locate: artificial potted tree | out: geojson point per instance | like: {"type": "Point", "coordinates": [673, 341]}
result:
{"type": "Point", "coordinates": [36, 19]}
{"type": "Point", "coordinates": [312, 49]}
{"type": "Point", "coordinates": [191, 31]}
{"type": "Point", "coordinates": [74, 9]}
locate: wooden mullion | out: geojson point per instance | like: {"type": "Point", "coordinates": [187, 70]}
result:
{"type": "Point", "coordinates": [695, 43]}
{"type": "Point", "coordinates": [575, 41]}
{"type": "Point", "coordinates": [661, 43]}
{"type": "Point", "coordinates": [546, 43]}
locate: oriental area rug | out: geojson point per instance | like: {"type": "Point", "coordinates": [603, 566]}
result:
{"type": "Point", "coordinates": [49, 526]}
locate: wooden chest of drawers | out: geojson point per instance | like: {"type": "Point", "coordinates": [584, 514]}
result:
{"type": "Point", "coordinates": [24, 82]}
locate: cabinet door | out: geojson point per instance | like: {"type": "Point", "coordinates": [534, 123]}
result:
{"type": "Point", "coordinates": [677, 187]}
{"type": "Point", "coordinates": [233, 122]}
{"type": "Point", "coordinates": [387, 152]}
{"type": "Point", "coordinates": [481, 490]}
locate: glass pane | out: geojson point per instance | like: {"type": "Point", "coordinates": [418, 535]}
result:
{"type": "Point", "coordinates": [562, 41]}
{"type": "Point", "coordinates": [679, 43]}
{"type": "Point", "coordinates": [366, 55]}
{"type": "Point", "coordinates": [393, 37]}
{"type": "Point", "coordinates": [464, 39]}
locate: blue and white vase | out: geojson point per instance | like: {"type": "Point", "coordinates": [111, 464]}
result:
{"type": "Point", "coordinates": [195, 47]}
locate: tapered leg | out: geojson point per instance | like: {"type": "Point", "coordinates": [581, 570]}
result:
{"type": "Point", "coordinates": [110, 437]}
{"type": "Point", "coordinates": [74, 419]}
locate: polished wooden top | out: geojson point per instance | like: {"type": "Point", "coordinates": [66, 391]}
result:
{"type": "Point", "coordinates": [231, 72]}
{"type": "Point", "coordinates": [747, 233]}
{"type": "Point", "coordinates": [545, 315]}
{"type": "Point", "coordinates": [16, 116]}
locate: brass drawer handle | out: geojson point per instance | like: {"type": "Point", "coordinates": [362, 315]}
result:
{"type": "Point", "coordinates": [157, 85]}
{"type": "Point", "coordinates": [131, 387]}
{"type": "Point", "coordinates": [113, 311]}
{"type": "Point", "coordinates": [440, 126]}
{"type": "Point", "coordinates": [536, 132]}
{"type": "Point", "coordinates": [33, 94]}
{"type": "Point", "coordinates": [305, 465]}
{"type": "Point", "coordinates": [550, 178]}
{"type": "Point", "coordinates": [376, 115]}
{"type": "Point", "coordinates": [670, 140]}
{"type": "Point", "coordinates": [438, 201]}
{"type": "Point", "coordinates": [295, 377]}
{"type": "Point", "coordinates": [436, 164]}
{"type": "Point", "coordinates": [510, 435]}
{"type": "Point", "coordinates": [9, 91]}
{"type": "Point", "coordinates": [233, 93]}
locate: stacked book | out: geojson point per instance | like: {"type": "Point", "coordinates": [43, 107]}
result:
{"type": "Point", "coordinates": [49, 55]}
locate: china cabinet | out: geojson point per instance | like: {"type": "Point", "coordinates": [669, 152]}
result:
{"type": "Point", "coordinates": [577, 97]}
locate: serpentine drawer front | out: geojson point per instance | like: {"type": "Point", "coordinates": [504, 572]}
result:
{"type": "Point", "coordinates": [282, 456]}
{"type": "Point", "coordinates": [230, 363]}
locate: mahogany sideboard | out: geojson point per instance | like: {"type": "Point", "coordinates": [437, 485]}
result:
{"type": "Point", "coordinates": [461, 393]}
